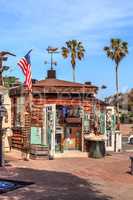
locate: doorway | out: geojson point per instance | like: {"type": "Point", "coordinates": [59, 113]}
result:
{"type": "Point", "coordinates": [72, 138]}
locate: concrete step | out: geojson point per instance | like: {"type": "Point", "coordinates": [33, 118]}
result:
{"type": "Point", "coordinates": [39, 147]}
{"type": "Point", "coordinates": [39, 152]}
{"type": "Point", "coordinates": [38, 157]}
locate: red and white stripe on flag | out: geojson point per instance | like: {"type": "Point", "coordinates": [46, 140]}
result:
{"type": "Point", "coordinates": [26, 69]}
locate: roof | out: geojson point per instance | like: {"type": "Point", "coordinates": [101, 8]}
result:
{"type": "Point", "coordinates": [59, 83]}
{"type": "Point", "coordinates": [55, 86]}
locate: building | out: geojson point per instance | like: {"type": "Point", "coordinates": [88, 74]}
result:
{"type": "Point", "coordinates": [125, 106]}
{"type": "Point", "coordinates": [5, 110]}
{"type": "Point", "coordinates": [56, 116]}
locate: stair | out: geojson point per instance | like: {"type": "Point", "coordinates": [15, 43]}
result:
{"type": "Point", "coordinates": [39, 152]}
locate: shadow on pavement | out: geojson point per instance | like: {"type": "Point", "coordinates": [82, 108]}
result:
{"type": "Point", "coordinates": [52, 185]}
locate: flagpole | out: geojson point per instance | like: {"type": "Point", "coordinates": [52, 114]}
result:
{"type": "Point", "coordinates": [30, 116]}
{"type": "Point", "coordinates": [25, 65]}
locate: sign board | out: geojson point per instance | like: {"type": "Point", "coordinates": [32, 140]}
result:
{"type": "Point", "coordinates": [35, 135]}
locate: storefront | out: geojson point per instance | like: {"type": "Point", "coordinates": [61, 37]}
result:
{"type": "Point", "coordinates": [61, 113]}
{"type": "Point", "coordinates": [65, 124]}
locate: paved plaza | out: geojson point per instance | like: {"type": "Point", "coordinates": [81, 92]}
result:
{"type": "Point", "coordinates": [70, 178]}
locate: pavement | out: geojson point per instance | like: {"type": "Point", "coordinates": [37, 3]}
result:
{"type": "Point", "coordinates": [76, 178]}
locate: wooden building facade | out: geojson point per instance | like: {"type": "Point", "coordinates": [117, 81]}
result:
{"type": "Point", "coordinates": [57, 115]}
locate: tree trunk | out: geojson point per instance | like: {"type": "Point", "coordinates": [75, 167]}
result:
{"type": "Point", "coordinates": [117, 98]}
{"type": "Point", "coordinates": [73, 74]}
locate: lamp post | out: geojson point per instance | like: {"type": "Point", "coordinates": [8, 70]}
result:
{"type": "Point", "coordinates": [3, 111]}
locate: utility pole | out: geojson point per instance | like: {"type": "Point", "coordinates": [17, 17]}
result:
{"type": "Point", "coordinates": [3, 57]}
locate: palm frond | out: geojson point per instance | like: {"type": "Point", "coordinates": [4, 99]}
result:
{"type": "Point", "coordinates": [117, 50]}
{"type": "Point", "coordinates": [106, 48]}
{"type": "Point", "coordinates": [65, 52]}
{"type": "Point", "coordinates": [80, 55]}
{"type": "Point", "coordinates": [75, 50]}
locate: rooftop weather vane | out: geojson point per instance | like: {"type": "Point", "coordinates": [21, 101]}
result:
{"type": "Point", "coordinates": [52, 51]}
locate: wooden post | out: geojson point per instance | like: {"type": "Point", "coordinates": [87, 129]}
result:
{"type": "Point", "coordinates": [131, 158]}
{"type": "Point", "coordinates": [82, 136]}
{"type": "Point", "coordinates": [2, 162]}
{"type": "Point", "coordinates": [26, 143]}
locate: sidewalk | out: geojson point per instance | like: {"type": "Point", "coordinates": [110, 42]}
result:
{"type": "Point", "coordinates": [71, 178]}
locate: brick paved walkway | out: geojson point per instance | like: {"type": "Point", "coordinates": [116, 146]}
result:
{"type": "Point", "coordinates": [71, 178]}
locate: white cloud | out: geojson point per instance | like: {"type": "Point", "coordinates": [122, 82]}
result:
{"type": "Point", "coordinates": [42, 22]}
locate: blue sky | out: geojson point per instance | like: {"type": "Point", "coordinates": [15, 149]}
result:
{"type": "Point", "coordinates": [37, 24]}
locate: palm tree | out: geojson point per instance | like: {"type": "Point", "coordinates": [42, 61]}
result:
{"type": "Point", "coordinates": [117, 50]}
{"type": "Point", "coordinates": [76, 50]}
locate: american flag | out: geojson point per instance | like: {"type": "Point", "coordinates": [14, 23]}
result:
{"type": "Point", "coordinates": [25, 64]}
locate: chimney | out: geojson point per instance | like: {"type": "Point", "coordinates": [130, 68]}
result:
{"type": "Point", "coordinates": [51, 74]}
{"type": "Point", "coordinates": [34, 81]}
{"type": "Point", "coordinates": [88, 83]}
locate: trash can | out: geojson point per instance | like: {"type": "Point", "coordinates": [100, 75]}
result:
{"type": "Point", "coordinates": [97, 149]}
